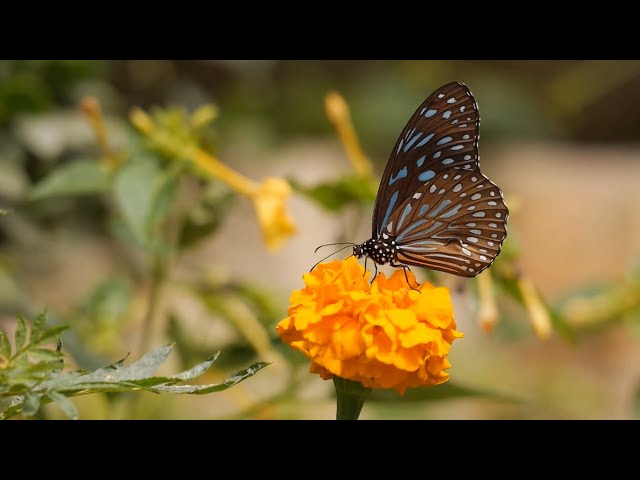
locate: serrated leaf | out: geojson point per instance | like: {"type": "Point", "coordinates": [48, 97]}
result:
{"type": "Point", "coordinates": [134, 193]}
{"type": "Point", "coordinates": [5, 345]}
{"type": "Point", "coordinates": [336, 195]}
{"type": "Point", "coordinates": [44, 354]}
{"type": "Point", "coordinates": [65, 404]}
{"type": "Point", "coordinates": [30, 403]}
{"type": "Point", "coordinates": [197, 370]}
{"type": "Point", "coordinates": [20, 338]}
{"type": "Point", "coordinates": [142, 369]}
{"type": "Point", "coordinates": [50, 336]}
{"type": "Point", "coordinates": [38, 326]}
{"type": "Point", "coordinates": [78, 178]}
{"type": "Point", "coordinates": [204, 389]}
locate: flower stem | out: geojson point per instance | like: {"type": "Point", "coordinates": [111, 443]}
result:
{"type": "Point", "coordinates": [158, 276]}
{"type": "Point", "coordinates": [92, 109]}
{"type": "Point", "coordinates": [350, 397]}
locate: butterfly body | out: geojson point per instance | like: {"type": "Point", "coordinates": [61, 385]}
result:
{"type": "Point", "coordinates": [434, 207]}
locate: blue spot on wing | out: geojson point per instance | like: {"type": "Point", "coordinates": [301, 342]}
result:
{"type": "Point", "coordinates": [420, 161]}
{"type": "Point", "coordinates": [430, 113]}
{"type": "Point", "coordinates": [444, 140]}
{"type": "Point", "coordinates": [440, 207]}
{"type": "Point", "coordinates": [423, 210]}
{"type": "Point", "coordinates": [424, 233]}
{"type": "Point", "coordinates": [428, 175]}
{"type": "Point", "coordinates": [412, 141]}
{"type": "Point", "coordinates": [451, 212]}
{"type": "Point", "coordinates": [414, 225]}
{"type": "Point", "coordinates": [392, 203]}
{"type": "Point", "coordinates": [401, 174]}
{"type": "Point", "coordinates": [425, 140]}
{"type": "Point", "coordinates": [405, 212]}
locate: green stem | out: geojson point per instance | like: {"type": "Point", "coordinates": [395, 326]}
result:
{"type": "Point", "coordinates": [350, 397]}
{"type": "Point", "coordinates": [157, 279]}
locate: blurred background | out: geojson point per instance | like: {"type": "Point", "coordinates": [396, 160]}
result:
{"type": "Point", "coordinates": [553, 333]}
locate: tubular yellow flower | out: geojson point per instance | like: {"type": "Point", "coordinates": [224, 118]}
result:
{"type": "Point", "coordinates": [383, 335]}
{"type": "Point", "coordinates": [538, 314]}
{"type": "Point", "coordinates": [488, 312]}
{"type": "Point", "coordinates": [90, 106]}
{"type": "Point", "coordinates": [338, 113]}
{"type": "Point", "coordinates": [269, 197]}
{"type": "Point", "coordinates": [269, 201]}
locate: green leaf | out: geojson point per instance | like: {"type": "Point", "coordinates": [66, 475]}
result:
{"type": "Point", "coordinates": [204, 389]}
{"type": "Point", "coordinates": [21, 334]}
{"type": "Point", "coordinates": [206, 217]}
{"type": "Point", "coordinates": [44, 354]}
{"type": "Point", "coordinates": [78, 178]}
{"type": "Point", "coordinates": [334, 196]}
{"type": "Point", "coordinates": [134, 194]}
{"type": "Point", "coordinates": [38, 326]}
{"type": "Point", "coordinates": [50, 336]}
{"type": "Point", "coordinates": [65, 404]}
{"type": "Point", "coordinates": [145, 367]}
{"type": "Point", "coordinates": [31, 403]}
{"type": "Point", "coordinates": [163, 196]}
{"type": "Point", "coordinates": [107, 303]}
{"type": "Point", "coordinates": [197, 370]}
{"type": "Point", "coordinates": [5, 346]}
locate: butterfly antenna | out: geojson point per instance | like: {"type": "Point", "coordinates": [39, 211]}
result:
{"type": "Point", "coordinates": [333, 244]}
{"type": "Point", "coordinates": [350, 245]}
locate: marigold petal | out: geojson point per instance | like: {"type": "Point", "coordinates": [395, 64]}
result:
{"type": "Point", "coordinates": [409, 359]}
{"type": "Point", "coordinates": [402, 319]}
{"type": "Point", "coordinates": [418, 335]}
{"type": "Point", "coordinates": [347, 342]}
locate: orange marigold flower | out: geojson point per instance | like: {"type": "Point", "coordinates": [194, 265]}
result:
{"type": "Point", "coordinates": [383, 335]}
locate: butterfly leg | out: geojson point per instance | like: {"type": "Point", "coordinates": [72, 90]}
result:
{"type": "Point", "coordinates": [404, 269]}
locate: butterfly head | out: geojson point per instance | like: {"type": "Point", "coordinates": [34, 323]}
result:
{"type": "Point", "coordinates": [381, 250]}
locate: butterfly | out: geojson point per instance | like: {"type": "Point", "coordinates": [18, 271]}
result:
{"type": "Point", "coordinates": [434, 208]}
